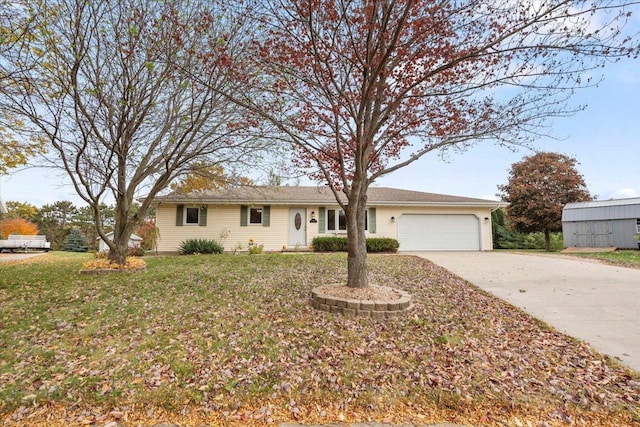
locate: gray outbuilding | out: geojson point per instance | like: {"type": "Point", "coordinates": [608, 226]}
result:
{"type": "Point", "coordinates": [602, 223]}
{"type": "Point", "coordinates": [134, 242]}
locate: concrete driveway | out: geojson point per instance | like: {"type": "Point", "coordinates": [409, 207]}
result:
{"type": "Point", "coordinates": [596, 303]}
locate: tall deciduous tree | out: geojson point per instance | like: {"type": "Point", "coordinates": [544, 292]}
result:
{"type": "Point", "coordinates": [107, 86]}
{"type": "Point", "coordinates": [17, 24]}
{"type": "Point", "coordinates": [85, 221]}
{"type": "Point", "coordinates": [202, 176]}
{"type": "Point", "coordinates": [150, 234]}
{"type": "Point", "coordinates": [539, 186]}
{"type": "Point", "coordinates": [17, 226]}
{"type": "Point", "coordinates": [363, 88]}
{"type": "Point", "coordinates": [55, 220]}
{"type": "Point", "coordinates": [20, 210]}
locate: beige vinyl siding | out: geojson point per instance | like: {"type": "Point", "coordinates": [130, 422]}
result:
{"type": "Point", "coordinates": [386, 228]}
{"type": "Point", "coordinates": [223, 219]}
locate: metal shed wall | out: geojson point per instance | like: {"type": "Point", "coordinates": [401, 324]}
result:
{"type": "Point", "coordinates": [598, 234]}
{"type": "Point", "coordinates": [602, 210]}
{"type": "Point", "coordinates": [601, 223]}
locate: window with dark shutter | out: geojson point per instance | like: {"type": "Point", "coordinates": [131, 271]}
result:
{"type": "Point", "coordinates": [179, 215]}
{"type": "Point", "coordinates": [202, 221]}
{"type": "Point", "coordinates": [243, 215]}
{"type": "Point", "coordinates": [321, 220]}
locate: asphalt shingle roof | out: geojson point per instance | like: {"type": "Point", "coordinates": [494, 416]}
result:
{"type": "Point", "coordinates": [288, 195]}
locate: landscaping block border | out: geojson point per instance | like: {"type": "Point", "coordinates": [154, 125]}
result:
{"type": "Point", "coordinates": [377, 309]}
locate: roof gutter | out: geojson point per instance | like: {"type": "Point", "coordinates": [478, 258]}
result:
{"type": "Point", "coordinates": [488, 204]}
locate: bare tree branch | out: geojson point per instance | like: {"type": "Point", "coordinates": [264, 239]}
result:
{"type": "Point", "coordinates": [114, 94]}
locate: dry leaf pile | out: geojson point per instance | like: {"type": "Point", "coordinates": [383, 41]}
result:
{"type": "Point", "coordinates": [132, 264]}
{"type": "Point", "coordinates": [232, 340]}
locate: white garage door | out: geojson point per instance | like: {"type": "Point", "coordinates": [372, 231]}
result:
{"type": "Point", "coordinates": [439, 233]}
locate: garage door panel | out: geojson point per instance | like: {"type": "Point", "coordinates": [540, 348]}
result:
{"type": "Point", "coordinates": [425, 232]}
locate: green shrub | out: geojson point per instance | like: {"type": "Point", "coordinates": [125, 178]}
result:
{"type": "Point", "coordinates": [339, 244]}
{"type": "Point", "coordinates": [382, 244]}
{"type": "Point", "coordinates": [200, 246]}
{"type": "Point", "coordinates": [329, 244]}
{"type": "Point", "coordinates": [255, 249]}
{"type": "Point", "coordinates": [504, 238]}
{"type": "Point", "coordinates": [514, 240]}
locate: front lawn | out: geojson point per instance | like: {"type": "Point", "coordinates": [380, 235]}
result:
{"type": "Point", "coordinates": [623, 258]}
{"type": "Point", "coordinates": [223, 339]}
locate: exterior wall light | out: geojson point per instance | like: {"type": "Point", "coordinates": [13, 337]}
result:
{"type": "Point", "coordinates": [393, 219]}
{"type": "Point", "coordinates": [313, 217]}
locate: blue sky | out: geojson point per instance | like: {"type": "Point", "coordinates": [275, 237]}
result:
{"type": "Point", "coordinates": [605, 139]}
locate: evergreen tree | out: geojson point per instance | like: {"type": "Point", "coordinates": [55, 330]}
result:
{"type": "Point", "coordinates": [75, 241]}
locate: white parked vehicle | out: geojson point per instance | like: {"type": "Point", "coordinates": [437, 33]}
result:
{"type": "Point", "coordinates": [24, 242]}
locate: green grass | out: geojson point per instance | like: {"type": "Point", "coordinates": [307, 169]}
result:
{"type": "Point", "coordinates": [624, 258]}
{"type": "Point", "coordinates": [222, 332]}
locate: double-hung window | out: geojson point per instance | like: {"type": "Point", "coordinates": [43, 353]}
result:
{"type": "Point", "coordinates": [337, 221]}
{"type": "Point", "coordinates": [191, 215]}
{"type": "Point", "coordinates": [255, 216]}
{"type": "Point", "coordinates": [638, 225]}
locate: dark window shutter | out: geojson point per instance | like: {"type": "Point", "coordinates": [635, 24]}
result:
{"type": "Point", "coordinates": [372, 220]}
{"type": "Point", "coordinates": [266, 216]}
{"type": "Point", "coordinates": [322, 217]}
{"type": "Point", "coordinates": [202, 219]}
{"type": "Point", "coordinates": [243, 215]}
{"type": "Point", "coordinates": [179, 215]}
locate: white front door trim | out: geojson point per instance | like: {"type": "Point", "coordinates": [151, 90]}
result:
{"type": "Point", "coordinates": [297, 227]}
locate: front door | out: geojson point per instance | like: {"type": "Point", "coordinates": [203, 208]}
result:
{"type": "Point", "coordinates": [297, 227]}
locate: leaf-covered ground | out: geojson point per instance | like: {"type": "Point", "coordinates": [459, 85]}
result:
{"type": "Point", "coordinates": [231, 340]}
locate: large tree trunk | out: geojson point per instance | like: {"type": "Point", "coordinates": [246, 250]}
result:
{"type": "Point", "coordinates": [547, 241]}
{"type": "Point", "coordinates": [124, 226]}
{"type": "Point", "coordinates": [119, 253]}
{"type": "Point", "coordinates": [356, 238]}
{"type": "Point", "coordinates": [121, 236]}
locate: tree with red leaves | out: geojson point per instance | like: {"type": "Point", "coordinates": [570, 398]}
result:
{"type": "Point", "coordinates": [539, 186]}
{"type": "Point", "coordinates": [362, 88]}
